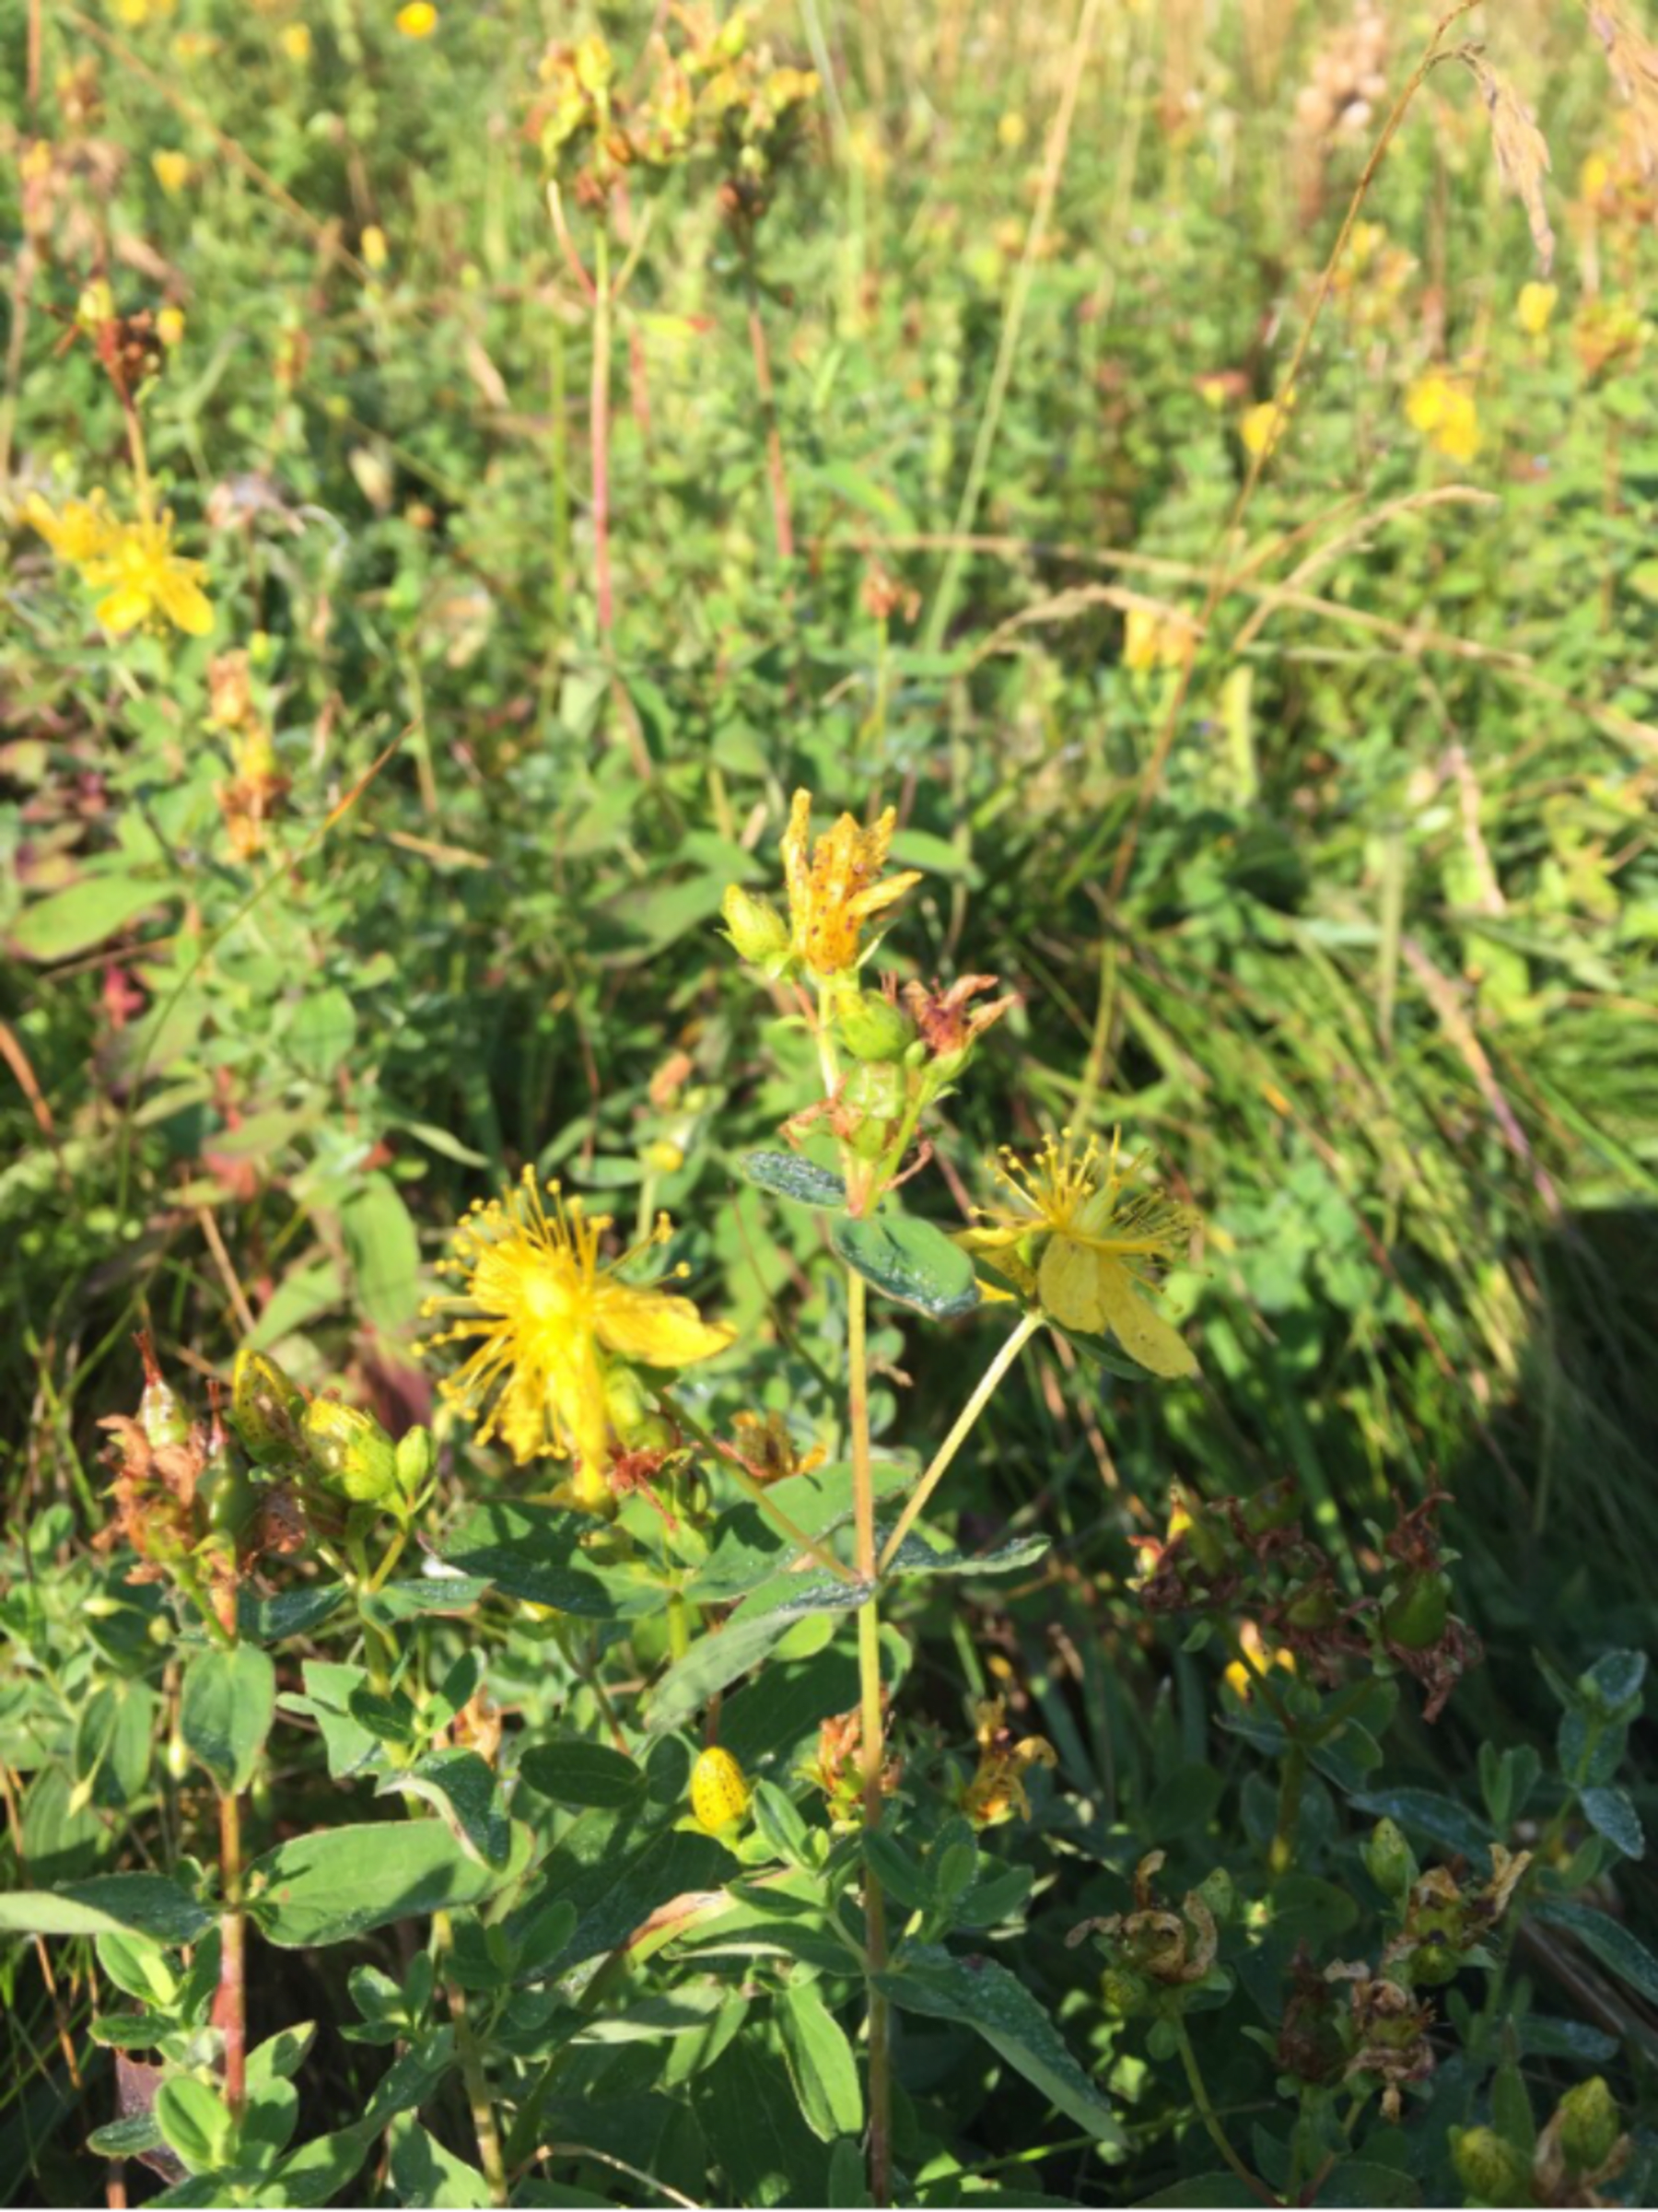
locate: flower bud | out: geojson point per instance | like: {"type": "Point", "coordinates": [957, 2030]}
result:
{"type": "Point", "coordinates": [352, 1453]}
{"type": "Point", "coordinates": [873, 1028]}
{"type": "Point", "coordinates": [1123, 1991]}
{"type": "Point", "coordinates": [1388, 1859]}
{"type": "Point", "coordinates": [160, 1416]}
{"type": "Point", "coordinates": [266, 1409]}
{"type": "Point", "coordinates": [754, 927]}
{"type": "Point", "coordinates": [1415, 1616]}
{"type": "Point", "coordinates": [1589, 2125]}
{"type": "Point", "coordinates": [1488, 2167]}
{"type": "Point", "coordinates": [662, 1156]}
{"type": "Point", "coordinates": [719, 1790]}
{"type": "Point", "coordinates": [417, 1457]}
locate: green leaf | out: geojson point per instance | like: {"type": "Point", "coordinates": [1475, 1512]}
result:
{"type": "Point", "coordinates": [994, 2004]}
{"type": "Point", "coordinates": [72, 922]}
{"type": "Point", "coordinates": [820, 2062]}
{"type": "Point", "coordinates": [758, 1623]}
{"type": "Point", "coordinates": [321, 1032]}
{"type": "Point", "coordinates": [1359, 2182]}
{"type": "Point", "coordinates": [462, 1789]}
{"type": "Point", "coordinates": [126, 2138]}
{"type": "Point", "coordinates": [1609, 1941]}
{"type": "Point", "coordinates": [384, 1251]}
{"type": "Point", "coordinates": [911, 1261]}
{"type": "Point", "coordinates": [533, 1553]}
{"type": "Point", "coordinates": [787, 1175]}
{"type": "Point", "coordinates": [918, 1555]}
{"type": "Point", "coordinates": [105, 1904]}
{"type": "Point", "coordinates": [1439, 1818]}
{"type": "Point", "coordinates": [423, 2172]}
{"type": "Point", "coordinates": [344, 1881]}
{"type": "Point", "coordinates": [755, 2134]}
{"type": "Point", "coordinates": [1199, 2192]}
{"type": "Point", "coordinates": [226, 1710]}
{"type": "Point", "coordinates": [1612, 1814]}
{"type": "Point", "coordinates": [319, 2170]}
{"type": "Point", "coordinates": [572, 1773]}
{"type": "Point", "coordinates": [746, 1546]}
{"type": "Point", "coordinates": [196, 2123]}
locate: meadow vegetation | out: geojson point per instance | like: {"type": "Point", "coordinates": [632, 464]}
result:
{"type": "Point", "coordinates": [829, 989]}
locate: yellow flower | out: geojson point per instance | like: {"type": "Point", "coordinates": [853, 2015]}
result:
{"type": "Point", "coordinates": [1444, 414]}
{"type": "Point", "coordinates": [135, 14]}
{"type": "Point", "coordinates": [297, 42]}
{"type": "Point", "coordinates": [541, 1314]}
{"type": "Point", "coordinates": [1534, 306]}
{"type": "Point", "coordinates": [1083, 1247]}
{"type": "Point", "coordinates": [1013, 131]}
{"type": "Point", "coordinates": [834, 887]}
{"type": "Point", "coordinates": [172, 170]}
{"type": "Point", "coordinates": [1262, 427]}
{"type": "Point", "coordinates": [376, 251]}
{"type": "Point", "coordinates": [417, 20]}
{"type": "Point", "coordinates": [1152, 639]}
{"type": "Point", "coordinates": [170, 325]}
{"type": "Point", "coordinates": [1594, 176]}
{"type": "Point", "coordinates": [141, 578]}
{"type": "Point", "coordinates": [997, 1791]}
{"type": "Point", "coordinates": [1240, 1675]}
{"type": "Point", "coordinates": [81, 533]}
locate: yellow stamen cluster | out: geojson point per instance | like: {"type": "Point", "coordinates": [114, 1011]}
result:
{"type": "Point", "coordinates": [132, 564]}
{"type": "Point", "coordinates": [544, 1316]}
{"type": "Point", "coordinates": [1083, 1245]}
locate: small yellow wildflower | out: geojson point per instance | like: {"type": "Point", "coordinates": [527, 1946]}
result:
{"type": "Point", "coordinates": [1083, 1247]}
{"type": "Point", "coordinates": [170, 325]}
{"type": "Point", "coordinates": [297, 42]}
{"type": "Point", "coordinates": [82, 532]}
{"type": "Point", "coordinates": [1240, 1675]}
{"type": "Point", "coordinates": [834, 886]}
{"type": "Point", "coordinates": [1536, 307]}
{"type": "Point", "coordinates": [997, 1791]}
{"type": "Point", "coordinates": [135, 14]}
{"type": "Point", "coordinates": [1444, 414]}
{"type": "Point", "coordinates": [142, 579]}
{"type": "Point", "coordinates": [1153, 639]}
{"type": "Point", "coordinates": [376, 251]}
{"type": "Point", "coordinates": [542, 1314]}
{"type": "Point", "coordinates": [1013, 131]}
{"type": "Point", "coordinates": [1594, 176]}
{"type": "Point", "coordinates": [417, 20]}
{"type": "Point", "coordinates": [172, 170]}
{"type": "Point", "coordinates": [1262, 427]}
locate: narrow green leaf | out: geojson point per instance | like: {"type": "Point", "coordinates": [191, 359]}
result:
{"type": "Point", "coordinates": [787, 1175]}
{"type": "Point", "coordinates": [71, 921]}
{"type": "Point", "coordinates": [911, 1261]}
{"type": "Point", "coordinates": [224, 1711]}
{"type": "Point", "coordinates": [147, 1903]}
{"type": "Point", "coordinates": [979, 1995]}
{"type": "Point", "coordinates": [820, 2062]}
{"type": "Point", "coordinates": [464, 1791]}
{"type": "Point", "coordinates": [342, 1882]}
{"type": "Point", "coordinates": [572, 1773]}
{"type": "Point", "coordinates": [745, 1639]}
{"type": "Point", "coordinates": [1609, 1941]}
{"type": "Point", "coordinates": [1612, 1814]}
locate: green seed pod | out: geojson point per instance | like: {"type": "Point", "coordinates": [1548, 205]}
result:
{"type": "Point", "coordinates": [1589, 2125]}
{"type": "Point", "coordinates": [1415, 1616]}
{"type": "Point", "coordinates": [266, 1411]}
{"type": "Point", "coordinates": [754, 927]}
{"type": "Point", "coordinates": [1389, 1860]}
{"type": "Point", "coordinates": [353, 1455]}
{"type": "Point", "coordinates": [160, 1416]}
{"type": "Point", "coordinates": [872, 1027]}
{"type": "Point", "coordinates": [417, 1457]}
{"type": "Point", "coordinates": [1490, 2169]}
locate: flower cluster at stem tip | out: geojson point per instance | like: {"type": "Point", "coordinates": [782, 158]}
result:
{"type": "Point", "coordinates": [132, 564]}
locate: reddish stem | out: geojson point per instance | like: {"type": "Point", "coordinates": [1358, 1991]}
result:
{"type": "Point", "coordinates": [230, 2004]}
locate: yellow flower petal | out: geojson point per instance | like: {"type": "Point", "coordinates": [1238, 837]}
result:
{"type": "Point", "coordinates": [655, 1327]}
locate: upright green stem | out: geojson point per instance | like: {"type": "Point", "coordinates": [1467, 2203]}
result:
{"type": "Point", "coordinates": [679, 1627]}
{"type": "Point", "coordinates": [473, 2076]}
{"type": "Point", "coordinates": [1280, 1856]}
{"type": "Point", "coordinates": [230, 2007]}
{"type": "Point", "coordinates": [868, 1675]}
{"type": "Point", "coordinates": [1206, 2113]}
{"type": "Point", "coordinates": [1029, 1324]}
{"type": "Point", "coordinates": [782, 526]}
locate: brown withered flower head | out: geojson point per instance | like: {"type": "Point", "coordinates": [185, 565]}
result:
{"type": "Point", "coordinates": [1387, 2029]}
{"type": "Point", "coordinates": [948, 1021]}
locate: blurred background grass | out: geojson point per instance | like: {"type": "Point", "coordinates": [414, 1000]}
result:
{"type": "Point", "coordinates": [1368, 957]}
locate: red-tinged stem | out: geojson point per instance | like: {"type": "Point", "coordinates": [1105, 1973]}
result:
{"type": "Point", "coordinates": [782, 525]}
{"type": "Point", "coordinates": [869, 1667]}
{"type": "Point", "coordinates": [230, 2007]}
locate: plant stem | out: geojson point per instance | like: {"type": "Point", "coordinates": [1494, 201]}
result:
{"type": "Point", "coordinates": [1281, 1855]}
{"type": "Point", "coordinates": [679, 1627]}
{"type": "Point", "coordinates": [984, 1390]}
{"type": "Point", "coordinates": [471, 2073]}
{"type": "Point", "coordinates": [230, 2005]}
{"type": "Point", "coordinates": [782, 527]}
{"type": "Point", "coordinates": [598, 435]}
{"type": "Point", "coordinates": [869, 1673]}
{"type": "Point", "coordinates": [1211, 2124]}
